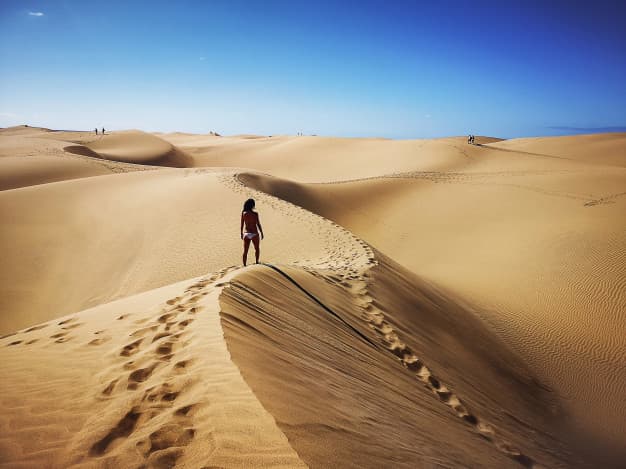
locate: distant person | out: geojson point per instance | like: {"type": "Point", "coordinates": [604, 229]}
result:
{"type": "Point", "coordinates": [469, 139]}
{"type": "Point", "coordinates": [96, 130]}
{"type": "Point", "coordinates": [250, 219]}
{"type": "Point", "coordinates": [102, 130]}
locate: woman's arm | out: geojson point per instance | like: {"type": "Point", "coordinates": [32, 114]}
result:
{"type": "Point", "coordinates": [241, 228]}
{"type": "Point", "coordinates": [258, 222]}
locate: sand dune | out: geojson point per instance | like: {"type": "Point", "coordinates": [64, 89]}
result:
{"type": "Point", "coordinates": [316, 159]}
{"type": "Point", "coordinates": [544, 259]}
{"type": "Point", "coordinates": [134, 147]}
{"type": "Point", "coordinates": [295, 349]}
{"type": "Point", "coordinates": [424, 303]}
{"type": "Point", "coordinates": [31, 156]}
{"type": "Point", "coordinates": [141, 388]}
{"type": "Point", "coordinates": [21, 172]}
{"type": "Point", "coordinates": [605, 149]}
{"type": "Point", "coordinates": [151, 395]}
{"type": "Point", "coordinates": [23, 130]}
{"type": "Point", "coordinates": [102, 236]}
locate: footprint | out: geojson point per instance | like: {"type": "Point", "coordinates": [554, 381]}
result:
{"type": "Point", "coordinates": [143, 331]}
{"type": "Point", "coordinates": [110, 387]}
{"type": "Point", "coordinates": [168, 436]}
{"type": "Point", "coordinates": [122, 430]}
{"type": "Point", "coordinates": [515, 454]}
{"type": "Point", "coordinates": [186, 411]}
{"type": "Point", "coordinates": [131, 348]}
{"type": "Point", "coordinates": [434, 382]}
{"type": "Point", "coordinates": [36, 328]}
{"type": "Point", "coordinates": [139, 376]}
{"type": "Point", "coordinates": [165, 349]}
{"type": "Point", "coordinates": [412, 363]}
{"type": "Point", "coordinates": [164, 459]}
{"type": "Point", "coordinates": [169, 324]}
{"type": "Point", "coordinates": [160, 335]}
{"type": "Point", "coordinates": [166, 317]}
{"type": "Point", "coordinates": [169, 396]}
{"type": "Point", "coordinates": [185, 323]}
{"type": "Point", "coordinates": [181, 366]}
{"type": "Point", "coordinates": [67, 321]}
{"type": "Point", "coordinates": [164, 393]}
{"type": "Point", "coordinates": [17, 342]}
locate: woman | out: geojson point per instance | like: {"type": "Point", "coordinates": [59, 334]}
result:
{"type": "Point", "coordinates": [251, 220]}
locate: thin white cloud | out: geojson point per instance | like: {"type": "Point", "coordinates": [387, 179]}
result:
{"type": "Point", "coordinates": [35, 13]}
{"type": "Point", "coordinates": [201, 58]}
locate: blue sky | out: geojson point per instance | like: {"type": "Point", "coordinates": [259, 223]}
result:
{"type": "Point", "coordinates": [383, 69]}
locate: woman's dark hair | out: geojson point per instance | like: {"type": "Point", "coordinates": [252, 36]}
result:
{"type": "Point", "coordinates": [248, 205]}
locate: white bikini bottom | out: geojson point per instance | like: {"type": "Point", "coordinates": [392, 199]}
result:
{"type": "Point", "coordinates": [249, 235]}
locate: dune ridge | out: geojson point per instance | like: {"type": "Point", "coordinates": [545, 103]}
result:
{"type": "Point", "coordinates": [133, 147]}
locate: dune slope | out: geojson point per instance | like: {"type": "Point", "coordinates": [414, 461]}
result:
{"type": "Point", "coordinates": [369, 384]}
{"type": "Point", "coordinates": [552, 241]}
{"type": "Point", "coordinates": [488, 334]}
{"type": "Point", "coordinates": [145, 381]}
{"type": "Point", "coordinates": [113, 236]}
{"type": "Point", "coordinates": [605, 148]}
{"type": "Point", "coordinates": [134, 147]}
{"type": "Point", "coordinates": [31, 156]}
{"type": "Point", "coordinates": [349, 380]}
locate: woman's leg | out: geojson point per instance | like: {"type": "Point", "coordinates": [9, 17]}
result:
{"type": "Point", "coordinates": [246, 245]}
{"type": "Point", "coordinates": [257, 248]}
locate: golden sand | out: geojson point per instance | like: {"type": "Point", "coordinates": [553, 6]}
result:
{"type": "Point", "coordinates": [423, 303]}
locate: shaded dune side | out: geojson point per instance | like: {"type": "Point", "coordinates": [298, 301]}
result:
{"type": "Point", "coordinates": [549, 273]}
{"type": "Point", "coordinates": [348, 377]}
{"type": "Point", "coordinates": [134, 147]}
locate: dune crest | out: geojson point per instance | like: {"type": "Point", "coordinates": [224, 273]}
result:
{"type": "Point", "coordinates": [134, 147]}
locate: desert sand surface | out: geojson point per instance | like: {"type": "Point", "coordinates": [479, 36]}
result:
{"type": "Point", "coordinates": [420, 303]}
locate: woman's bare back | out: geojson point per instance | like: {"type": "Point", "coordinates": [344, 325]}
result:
{"type": "Point", "coordinates": [251, 219]}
